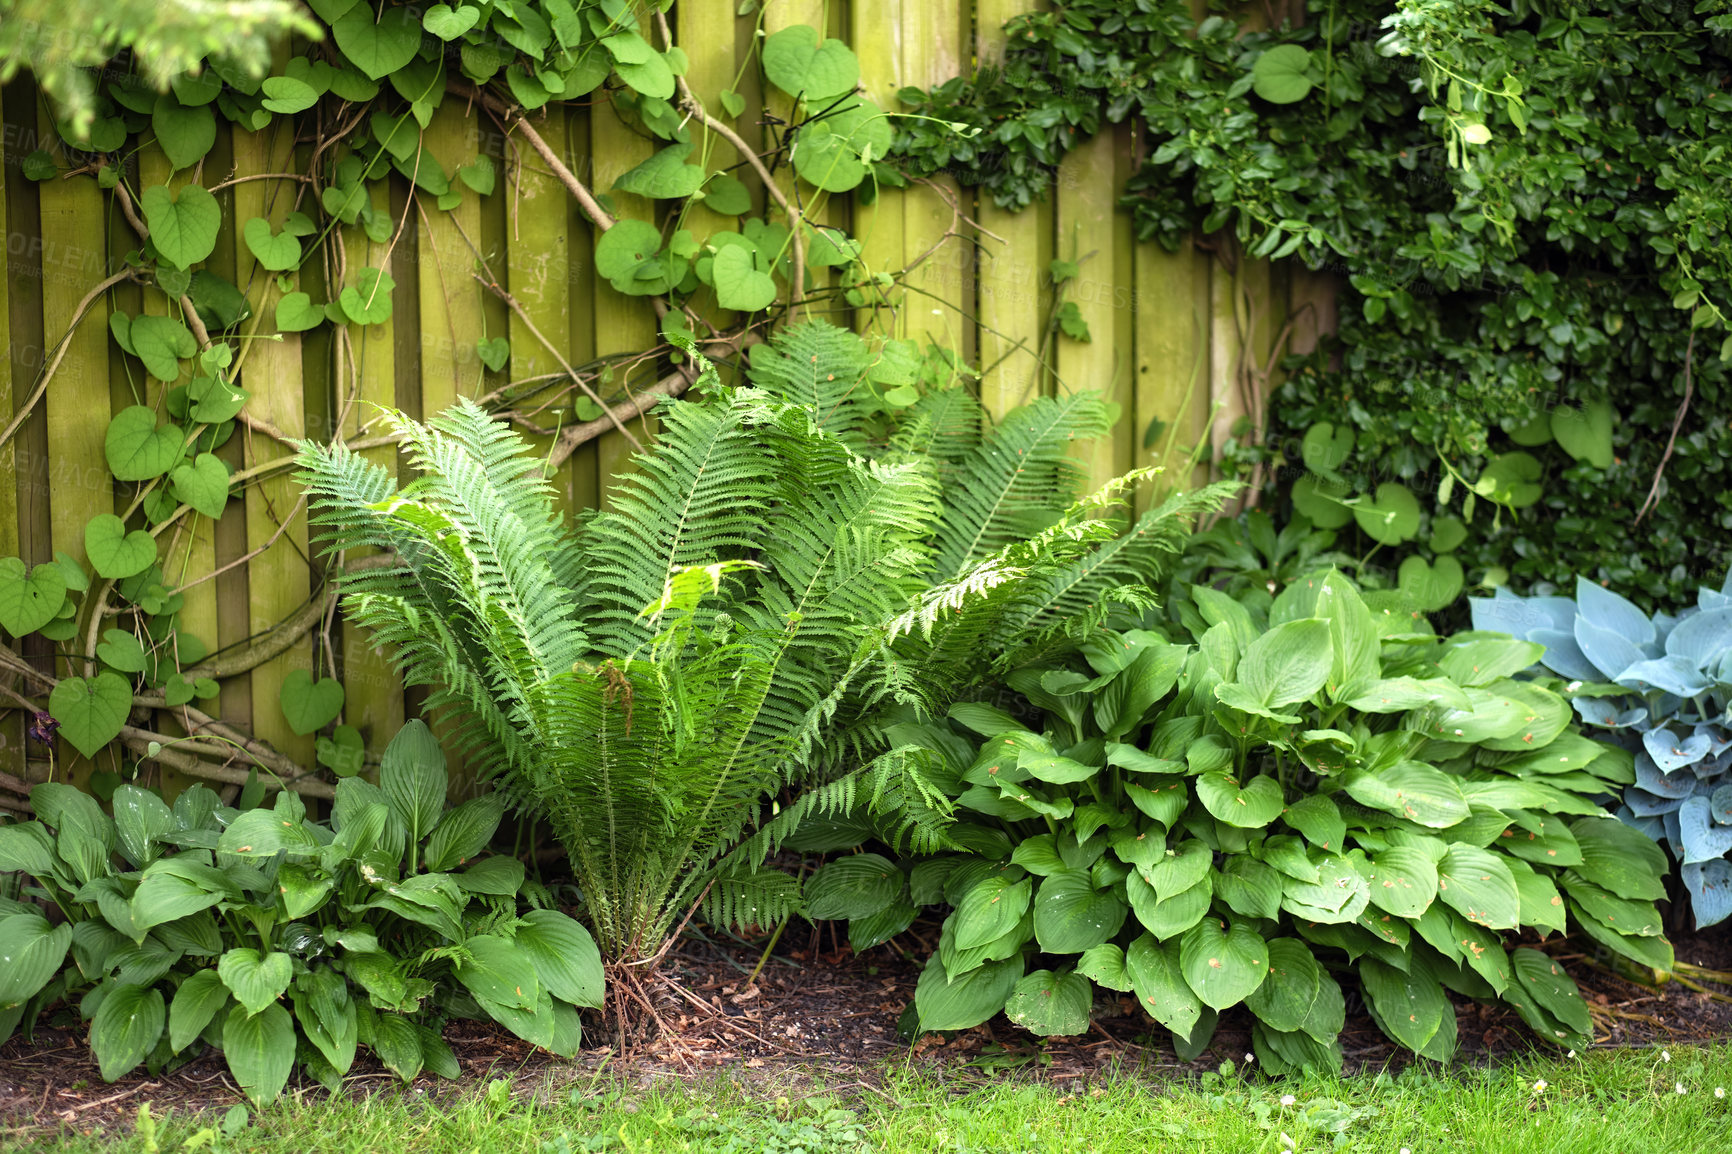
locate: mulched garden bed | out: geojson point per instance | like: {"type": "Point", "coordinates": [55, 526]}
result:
{"type": "Point", "coordinates": [819, 1011]}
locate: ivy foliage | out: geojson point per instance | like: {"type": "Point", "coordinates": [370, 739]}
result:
{"type": "Point", "coordinates": [1525, 205]}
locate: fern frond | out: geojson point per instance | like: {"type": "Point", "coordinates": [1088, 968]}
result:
{"type": "Point", "coordinates": [1017, 480]}
{"type": "Point", "coordinates": [822, 368]}
{"type": "Point", "coordinates": [761, 898]}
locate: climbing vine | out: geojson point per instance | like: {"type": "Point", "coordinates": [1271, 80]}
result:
{"type": "Point", "coordinates": [358, 95]}
{"type": "Point", "coordinates": [1526, 211]}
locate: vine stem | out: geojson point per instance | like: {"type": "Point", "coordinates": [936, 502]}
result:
{"type": "Point", "coordinates": [515, 118]}
{"type": "Point", "coordinates": [1653, 497]}
{"type": "Point", "coordinates": [499, 291]}
{"type": "Point", "coordinates": [60, 351]}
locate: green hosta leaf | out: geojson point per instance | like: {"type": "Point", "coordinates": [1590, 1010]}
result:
{"type": "Point", "coordinates": [1223, 964]}
{"type": "Point", "coordinates": [799, 65]}
{"type": "Point", "coordinates": [1653, 952]}
{"type": "Point", "coordinates": [989, 910]}
{"type": "Point", "coordinates": [1160, 984]}
{"type": "Point", "coordinates": [308, 705]}
{"type": "Point", "coordinates": [856, 886]}
{"type": "Point", "coordinates": [91, 711]}
{"type": "Point", "coordinates": [303, 889]}
{"type": "Point", "coordinates": [664, 176]}
{"type": "Point", "coordinates": [464, 832]}
{"type": "Point", "coordinates": [1168, 917]}
{"type": "Point", "coordinates": [1626, 917]}
{"type": "Point", "coordinates": [564, 955]}
{"type": "Point", "coordinates": [1279, 77]}
{"type": "Point", "coordinates": [184, 225]}
{"type": "Point", "coordinates": [378, 46]}
{"type": "Point", "coordinates": [127, 1026]}
{"type": "Point", "coordinates": [969, 999]}
{"type": "Point", "coordinates": [1585, 433]}
{"type": "Point", "coordinates": [413, 777]}
{"type": "Point", "coordinates": [1288, 664]}
{"type": "Point", "coordinates": [1403, 880]}
{"type": "Point", "coordinates": [398, 1045]}
{"type": "Point", "coordinates": [1400, 694]}
{"type": "Point", "coordinates": [29, 598]}
{"type": "Point", "coordinates": [739, 284]}
{"type": "Point", "coordinates": [1051, 1004]}
{"type": "Point", "coordinates": [1071, 916]}
{"type": "Point", "coordinates": [137, 450]}
{"type": "Point", "coordinates": [498, 971]}
{"type": "Point", "coordinates": [328, 1016]}
{"type": "Point", "coordinates": [198, 1000]}
{"type": "Point", "coordinates": [1542, 907]}
{"type": "Point", "coordinates": [26, 847]}
{"type": "Point", "coordinates": [1286, 999]}
{"type": "Point", "coordinates": [1393, 517]}
{"type": "Point", "coordinates": [1619, 859]}
{"type": "Point", "coordinates": [1478, 885]}
{"type": "Point", "coordinates": [255, 981]}
{"type": "Point", "coordinates": [1250, 806]}
{"type": "Point", "coordinates": [278, 252]}
{"type": "Point", "coordinates": [260, 1049]}
{"type": "Point", "coordinates": [185, 135]}
{"type": "Point", "coordinates": [31, 953]}
{"type": "Point", "coordinates": [1410, 789]}
{"type": "Point", "coordinates": [265, 833]}
{"type": "Point", "coordinates": [141, 818]}
{"type": "Point", "coordinates": [1338, 895]}
{"type": "Point", "coordinates": [1105, 966]}
{"type": "Point", "coordinates": [1179, 868]}
{"type": "Point", "coordinates": [203, 484]}
{"type": "Point", "coordinates": [1409, 1007]}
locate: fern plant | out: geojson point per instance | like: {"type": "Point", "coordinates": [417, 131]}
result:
{"type": "Point", "coordinates": [756, 598]}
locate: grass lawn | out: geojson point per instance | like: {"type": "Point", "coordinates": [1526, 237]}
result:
{"type": "Point", "coordinates": [1602, 1103]}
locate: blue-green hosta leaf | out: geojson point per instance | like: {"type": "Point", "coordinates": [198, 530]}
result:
{"type": "Point", "coordinates": [1701, 838]}
{"type": "Point", "coordinates": [1672, 751]}
{"type": "Point", "coordinates": [1602, 608]}
{"type": "Point", "coordinates": [1710, 888]}
{"type": "Point", "coordinates": [1051, 1004]}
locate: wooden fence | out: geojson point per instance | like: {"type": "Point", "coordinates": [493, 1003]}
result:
{"type": "Point", "coordinates": [1174, 335]}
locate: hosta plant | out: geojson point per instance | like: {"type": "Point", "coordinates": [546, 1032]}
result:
{"type": "Point", "coordinates": [756, 593]}
{"type": "Point", "coordinates": [283, 941]}
{"type": "Point", "coordinates": [1263, 812]}
{"type": "Point", "coordinates": [1660, 686]}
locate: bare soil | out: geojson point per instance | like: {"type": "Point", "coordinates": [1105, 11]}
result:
{"type": "Point", "coordinates": [818, 1011]}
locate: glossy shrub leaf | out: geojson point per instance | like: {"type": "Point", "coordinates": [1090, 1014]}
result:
{"type": "Point", "coordinates": [127, 1026]}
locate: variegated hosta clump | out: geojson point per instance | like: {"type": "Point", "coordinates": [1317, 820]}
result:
{"type": "Point", "coordinates": [1662, 688]}
{"type": "Point", "coordinates": [1285, 803]}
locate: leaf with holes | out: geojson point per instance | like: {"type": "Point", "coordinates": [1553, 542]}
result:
{"type": "Point", "coordinates": [1160, 985]}
{"type": "Point", "coordinates": [1051, 1004]}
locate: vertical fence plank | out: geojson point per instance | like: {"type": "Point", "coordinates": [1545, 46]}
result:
{"type": "Point", "coordinates": [14, 386]}
{"type": "Point", "coordinates": [74, 259]}
{"type": "Point", "coordinates": [1090, 234]}
{"type": "Point", "coordinates": [1009, 273]}
{"type": "Point", "coordinates": [367, 378]}
{"type": "Point", "coordinates": [1172, 355]}
{"type": "Point", "coordinates": [279, 581]}
{"type": "Point", "coordinates": [938, 299]}
{"type": "Point", "coordinates": [451, 298]}
{"type": "Point", "coordinates": [622, 324]}
{"type": "Point", "coordinates": [582, 469]}
{"type": "Point", "coordinates": [876, 35]}
{"type": "Point", "coordinates": [538, 271]}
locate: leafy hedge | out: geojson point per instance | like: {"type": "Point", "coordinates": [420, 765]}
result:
{"type": "Point", "coordinates": [1523, 205]}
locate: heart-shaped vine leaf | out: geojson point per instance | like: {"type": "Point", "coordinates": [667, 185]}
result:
{"type": "Point", "coordinates": [137, 449]}
{"type": "Point", "coordinates": [1279, 74]}
{"type": "Point", "coordinates": [448, 23]}
{"type": "Point", "coordinates": [1326, 447]}
{"type": "Point", "coordinates": [664, 176]}
{"type": "Point", "coordinates": [479, 175]}
{"type": "Point", "coordinates": [378, 47]}
{"type": "Point", "coordinates": [1511, 480]}
{"type": "Point", "coordinates": [29, 599]}
{"type": "Point", "coordinates": [184, 133]}
{"type": "Point", "coordinates": [493, 352]}
{"type": "Point", "coordinates": [114, 553]}
{"type": "Point", "coordinates": [625, 246]}
{"type": "Point", "coordinates": [1585, 433]}
{"type": "Point", "coordinates": [1432, 586]}
{"type": "Point", "coordinates": [739, 284]}
{"type": "Point", "coordinates": [162, 343]}
{"type": "Point", "coordinates": [310, 705]}
{"type": "Point", "coordinates": [278, 252]}
{"type": "Point", "coordinates": [1392, 516]}
{"type": "Point", "coordinates": [368, 301]}
{"type": "Point", "coordinates": [122, 652]}
{"type": "Point", "coordinates": [214, 400]}
{"type": "Point", "coordinates": [287, 95]}
{"type": "Point", "coordinates": [203, 484]}
{"type": "Point", "coordinates": [296, 313]}
{"type": "Point", "coordinates": [183, 226]}
{"type": "Point", "coordinates": [799, 65]}
{"type": "Point", "coordinates": [91, 711]}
